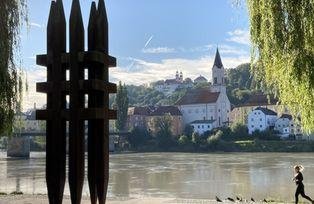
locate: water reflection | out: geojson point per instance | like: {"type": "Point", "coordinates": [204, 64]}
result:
{"type": "Point", "coordinates": [201, 176]}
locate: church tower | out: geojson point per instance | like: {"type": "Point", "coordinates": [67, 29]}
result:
{"type": "Point", "coordinates": [218, 74]}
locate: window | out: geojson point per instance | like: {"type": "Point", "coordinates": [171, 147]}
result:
{"type": "Point", "coordinates": [208, 126]}
{"type": "Point", "coordinates": [252, 119]}
{"type": "Point", "coordinates": [219, 110]}
{"type": "Point", "coordinates": [252, 126]}
{"type": "Point", "coordinates": [260, 126]}
{"type": "Point", "coordinates": [198, 126]}
{"type": "Point", "coordinates": [260, 119]}
{"type": "Point", "coordinates": [202, 126]}
{"type": "Point", "coordinates": [215, 80]}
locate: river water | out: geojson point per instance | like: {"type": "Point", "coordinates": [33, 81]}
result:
{"type": "Point", "coordinates": [178, 175]}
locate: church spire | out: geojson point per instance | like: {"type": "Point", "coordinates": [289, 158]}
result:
{"type": "Point", "coordinates": [218, 62]}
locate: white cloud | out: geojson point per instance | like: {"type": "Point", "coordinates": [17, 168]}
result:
{"type": "Point", "coordinates": [36, 74]}
{"type": "Point", "coordinates": [239, 36]}
{"type": "Point", "coordinates": [146, 72]}
{"type": "Point", "coordinates": [141, 72]}
{"type": "Point", "coordinates": [158, 50]}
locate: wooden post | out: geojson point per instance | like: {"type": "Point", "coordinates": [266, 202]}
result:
{"type": "Point", "coordinates": [56, 144]}
{"type": "Point", "coordinates": [97, 87]}
{"type": "Point", "coordinates": [76, 124]}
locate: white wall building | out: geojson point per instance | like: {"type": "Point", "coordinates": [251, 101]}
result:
{"type": "Point", "coordinates": [168, 86]}
{"type": "Point", "coordinates": [261, 119]}
{"type": "Point", "coordinates": [210, 103]}
{"type": "Point", "coordinates": [202, 126]}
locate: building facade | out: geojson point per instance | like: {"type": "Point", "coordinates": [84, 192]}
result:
{"type": "Point", "coordinates": [209, 103]}
{"type": "Point", "coordinates": [261, 119]}
{"type": "Point", "coordinates": [202, 126]}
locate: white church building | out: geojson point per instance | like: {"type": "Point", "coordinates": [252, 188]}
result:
{"type": "Point", "coordinates": [208, 104]}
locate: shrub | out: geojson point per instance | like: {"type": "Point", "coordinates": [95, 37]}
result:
{"type": "Point", "coordinates": [183, 140]}
{"type": "Point", "coordinates": [215, 139]}
{"type": "Point", "coordinates": [196, 139]}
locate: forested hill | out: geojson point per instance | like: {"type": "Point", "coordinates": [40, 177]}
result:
{"type": "Point", "coordinates": [240, 85]}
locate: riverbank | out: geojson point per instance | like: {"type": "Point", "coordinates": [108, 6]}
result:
{"type": "Point", "coordinates": [236, 146]}
{"type": "Point", "coordinates": [42, 199]}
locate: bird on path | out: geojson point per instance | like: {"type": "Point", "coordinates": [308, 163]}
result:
{"type": "Point", "coordinates": [239, 199]}
{"type": "Point", "coordinates": [265, 200]}
{"type": "Point", "coordinates": [231, 199]}
{"type": "Point", "coordinates": [218, 200]}
{"type": "Point", "coordinates": [252, 199]}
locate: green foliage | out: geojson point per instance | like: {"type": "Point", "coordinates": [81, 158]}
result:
{"type": "Point", "coordinates": [265, 135]}
{"type": "Point", "coordinates": [214, 140]}
{"type": "Point", "coordinates": [122, 103]}
{"type": "Point", "coordinates": [12, 13]}
{"type": "Point", "coordinates": [241, 84]}
{"type": "Point", "coordinates": [163, 135]}
{"type": "Point", "coordinates": [196, 138]}
{"type": "Point", "coordinates": [188, 130]}
{"type": "Point", "coordinates": [283, 52]}
{"type": "Point", "coordinates": [184, 140]}
{"type": "Point", "coordinates": [139, 137]}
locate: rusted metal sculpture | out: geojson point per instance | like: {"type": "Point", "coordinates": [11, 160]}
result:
{"type": "Point", "coordinates": [96, 62]}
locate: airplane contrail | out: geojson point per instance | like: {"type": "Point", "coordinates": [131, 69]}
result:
{"type": "Point", "coordinates": [148, 41]}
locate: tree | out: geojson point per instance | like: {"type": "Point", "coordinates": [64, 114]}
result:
{"type": "Point", "coordinates": [283, 52]}
{"type": "Point", "coordinates": [163, 135]}
{"type": "Point", "coordinates": [138, 137]}
{"type": "Point", "coordinates": [122, 103]}
{"type": "Point", "coordinates": [13, 13]}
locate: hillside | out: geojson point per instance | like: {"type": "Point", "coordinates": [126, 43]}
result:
{"type": "Point", "coordinates": [240, 86]}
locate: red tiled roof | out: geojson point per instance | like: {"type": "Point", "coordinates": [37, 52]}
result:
{"type": "Point", "coordinates": [163, 110]}
{"type": "Point", "coordinates": [259, 100]}
{"type": "Point", "coordinates": [139, 111]}
{"type": "Point", "coordinates": [198, 96]}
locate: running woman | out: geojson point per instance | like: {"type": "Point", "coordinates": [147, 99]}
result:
{"type": "Point", "coordinates": [298, 178]}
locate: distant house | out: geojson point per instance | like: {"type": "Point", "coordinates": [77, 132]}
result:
{"type": "Point", "coordinates": [175, 117]}
{"type": "Point", "coordinates": [202, 126]}
{"type": "Point", "coordinates": [168, 86]}
{"type": "Point", "coordinates": [240, 113]}
{"type": "Point", "coordinates": [137, 117]}
{"type": "Point", "coordinates": [287, 126]}
{"type": "Point", "coordinates": [144, 117]}
{"type": "Point", "coordinates": [261, 119]}
{"type": "Point", "coordinates": [282, 125]}
{"type": "Point", "coordinates": [200, 80]}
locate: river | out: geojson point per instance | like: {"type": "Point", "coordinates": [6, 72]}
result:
{"type": "Point", "coordinates": [177, 175]}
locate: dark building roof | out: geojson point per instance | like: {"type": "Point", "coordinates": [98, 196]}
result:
{"type": "Point", "coordinates": [218, 62]}
{"type": "Point", "coordinates": [198, 96]}
{"type": "Point", "coordinates": [163, 110]}
{"type": "Point", "coordinates": [203, 121]}
{"type": "Point", "coordinates": [286, 116]}
{"type": "Point", "coordinates": [266, 111]}
{"type": "Point", "coordinates": [171, 81]}
{"type": "Point", "coordinates": [139, 111]}
{"type": "Point", "coordinates": [260, 99]}
{"type": "Point", "coordinates": [31, 115]}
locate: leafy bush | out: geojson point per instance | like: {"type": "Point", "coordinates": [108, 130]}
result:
{"type": "Point", "coordinates": [214, 140]}
{"type": "Point", "coordinates": [196, 139]}
{"type": "Point", "coordinates": [138, 137]}
{"type": "Point", "coordinates": [184, 140]}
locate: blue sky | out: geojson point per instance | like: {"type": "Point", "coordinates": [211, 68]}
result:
{"type": "Point", "coordinates": [151, 39]}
